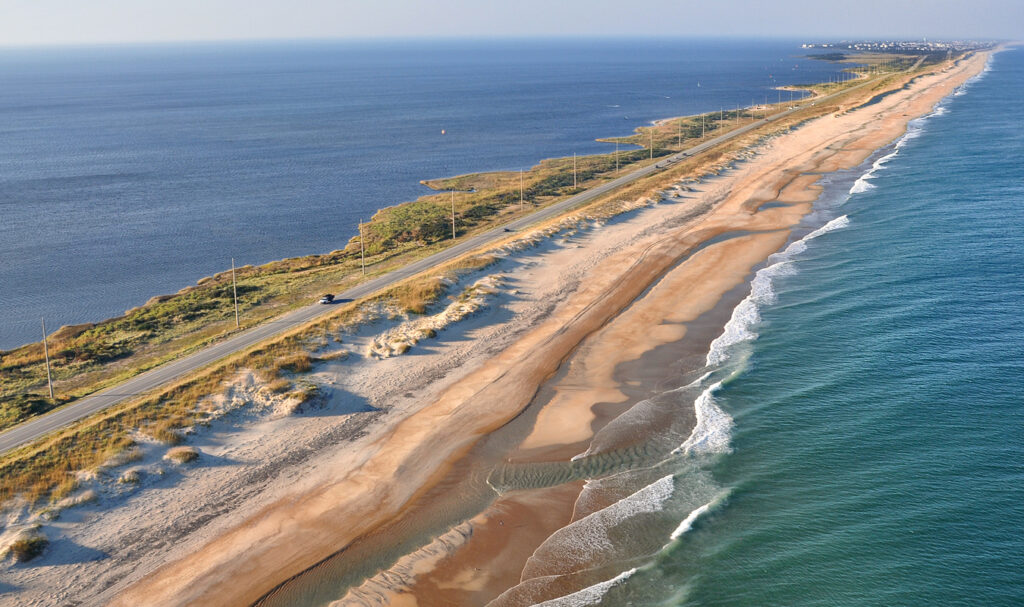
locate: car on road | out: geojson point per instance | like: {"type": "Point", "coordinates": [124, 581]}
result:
{"type": "Point", "coordinates": [327, 298]}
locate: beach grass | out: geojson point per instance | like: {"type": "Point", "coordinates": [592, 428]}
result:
{"type": "Point", "coordinates": [89, 357]}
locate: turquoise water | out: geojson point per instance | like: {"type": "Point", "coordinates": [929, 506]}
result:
{"type": "Point", "coordinates": [859, 422]}
{"type": "Point", "coordinates": [877, 445]}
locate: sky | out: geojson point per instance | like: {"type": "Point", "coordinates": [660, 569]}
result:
{"type": "Point", "coordinates": [48, 22]}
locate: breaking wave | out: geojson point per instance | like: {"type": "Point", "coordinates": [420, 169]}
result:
{"type": "Point", "coordinates": [590, 595]}
{"type": "Point", "coordinates": [962, 89]}
{"type": "Point", "coordinates": [746, 315]}
{"type": "Point", "coordinates": [584, 542]}
{"type": "Point", "coordinates": [687, 523]}
{"type": "Point", "coordinates": [711, 432]}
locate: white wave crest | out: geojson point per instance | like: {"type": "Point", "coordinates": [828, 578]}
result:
{"type": "Point", "coordinates": [863, 182]}
{"type": "Point", "coordinates": [711, 432]}
{"type": "Point", "coordinates": [591, 595]}
{"type": "Point", "coordinates": [836, 224]}
{"type": "Point", "coordinates": [962, 89]}
{"type": "Point", "coordinates": [687, 523]}
{"type": "Point", "coordinates": [747, 314]}
{"type": "Point", "coordinates": [583, 542]}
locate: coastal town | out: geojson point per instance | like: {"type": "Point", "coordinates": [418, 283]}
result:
{"type": "Point", "coordinates": [903, 46]}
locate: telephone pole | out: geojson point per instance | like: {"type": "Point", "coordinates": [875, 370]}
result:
{"type": "Point", "coordinates": [362, 249]}
{"type": "Point", "coordinates": [574, 170]}
{"type": "Point", "coordinates": [520, 189]}
{"type": "Point", "coordinates": [453, 214]}
{"type": "Point", "coordinates": [234, 289]}
{"type": "Point", "coordinates": [652, 143]}
{"type": "Point", "coordinates": [46, 353]}
{"type": "Point", "coordinates": [616, 156]}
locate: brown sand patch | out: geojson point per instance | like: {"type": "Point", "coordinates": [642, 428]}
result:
{"type": "Point", "coordinates": [299, 530]}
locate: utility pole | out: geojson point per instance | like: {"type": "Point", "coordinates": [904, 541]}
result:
{"type": "Point", "coordinates": [680, 142]}
{"type": "Point", "coordinates": [234, 289]}
{"type": "Point", "coordinates": [362, 249]}
{"type": "Point", "coordinates": [652, 143]}
{"type": "Point", "coordinates": [702, 127]}
{"type": "Point", "coordinates": [453, 208]}
{"type": "Point", "coordinates": [574, 170]}
{"type": "Point", "coordinates": [616, 156]}
{"type": "Point", "coordinates": [46, 353]}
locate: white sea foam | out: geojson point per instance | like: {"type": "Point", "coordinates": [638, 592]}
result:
{"type": "Point", "coordinates": [711, 432]}
{"type": "Point", "coordinates": [687, 523]}
{"type": "Point", "coordinates": [863, 182]}
{"type": "Point", "coordinates": [962, 89]}
{"type": "Point", "coordinates": [591, 595]}
{"type": "Point", "coordinates": [585, 541]}
{"type": "Point", "coordinates": [746, 315]}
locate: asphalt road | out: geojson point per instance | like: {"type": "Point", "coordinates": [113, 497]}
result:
{"type": "Point", "coordinates": [154, 378]}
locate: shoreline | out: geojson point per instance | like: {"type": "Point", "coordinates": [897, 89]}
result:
{"type": "Point", "coordinates": [505, 374]}
{"type": "Point", "coordinates": [478, 368]}
{"type": "Point", "coordinates": [126, 367]}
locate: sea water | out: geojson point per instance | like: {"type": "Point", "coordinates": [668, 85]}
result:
{"type": "Point", "coordinates": [855, 436]}
{"type": "Point", "coordinates": [868, 395]}
{"type": "Point", "coordinates": [132, 171]}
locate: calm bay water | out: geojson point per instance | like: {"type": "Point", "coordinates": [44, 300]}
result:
{"type": "Point", "coordinates": [859, 422]}
{"type": "Point", "coordinates": [127, 172]}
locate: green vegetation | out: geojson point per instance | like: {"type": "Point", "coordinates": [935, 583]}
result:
{"type": "Point", "coordinates": [91, 356]}
{"type": "Point", "coordinates": [26, 549]}
{"type": "Point", "coordinates": [43, 469]}
{"type": "Point", "coordinates": [88, 357]}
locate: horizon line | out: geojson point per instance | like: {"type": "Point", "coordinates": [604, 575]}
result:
{"type": "Point", "coordinates": [471, 38]}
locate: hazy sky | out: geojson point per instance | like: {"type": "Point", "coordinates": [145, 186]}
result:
{"type": "Point", "coordinates": [77, 21]}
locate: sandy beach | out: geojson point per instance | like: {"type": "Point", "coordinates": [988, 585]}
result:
{"type": "Point", "coordinates": [529, 379]}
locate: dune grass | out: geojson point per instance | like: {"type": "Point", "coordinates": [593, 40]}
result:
{"type": "Point", "coordinates": [145, 336]}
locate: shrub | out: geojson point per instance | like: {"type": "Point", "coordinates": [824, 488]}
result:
{"type": "Point", "coordinates": [130, 477]}
{"type": "Point", "coordinates": [280, 386]}
{"type": "Point", "coordinates": [305, 393]}
{"type": "Point", "coordinates": [296, 363]}
{"type": "Point", "coordinates": [182, 455]}
{"type": "Point", "coordinates": [28, 548]}
{"type": "Point", "coordinates": [22, 407]}
{"type": "Point", "coordinates": [166, 432]}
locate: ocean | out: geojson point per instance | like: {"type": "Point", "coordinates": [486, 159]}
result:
{"type": "Point", "coordinates": [132, 171]}
{"type": "Point", "coordinates": [860, 439]}
{"type": "Point", "coordinates": [859, 418]}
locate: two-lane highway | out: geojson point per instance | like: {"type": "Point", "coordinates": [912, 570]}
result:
{"type": "Point", "coordinates": [160, 376]}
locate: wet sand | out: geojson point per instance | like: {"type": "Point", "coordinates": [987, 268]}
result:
{"type": "Point", "coordinates": [299, 530]}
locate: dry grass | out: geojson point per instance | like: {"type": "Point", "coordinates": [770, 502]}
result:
{"type": "Point", "coordinates": [28, 548]}
{"type": "Point", "coordinates": [300, 362]}
{"type": "Point", "coordinates": [280, 385]}
{"type": "Point", "coordinates": [182, 455]}
{"type": "Point", "coordinates": [329, 356]}
{"type": "Point", "coordinates": [42, 468]}
{"type": "Point", "coordinates": [415, 295]}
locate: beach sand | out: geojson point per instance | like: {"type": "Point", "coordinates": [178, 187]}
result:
{"type": "Point", "coordinates": [290, 535]}
{"type": "Point", "coordinates": [573, 314]}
